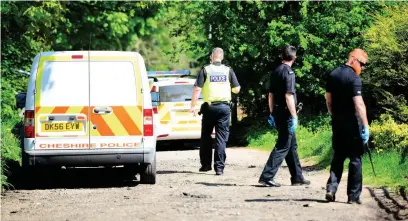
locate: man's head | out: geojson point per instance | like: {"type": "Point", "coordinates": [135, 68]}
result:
{"type": "Point", "coordinates": [289, 53]}
{"type": "Point", "coordinates": [357, 60]}
{"type": "Point", "coordinates": [217, 55]}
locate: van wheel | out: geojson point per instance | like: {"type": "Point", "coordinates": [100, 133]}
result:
{"type": "Point", "coordinates": [148, 173]}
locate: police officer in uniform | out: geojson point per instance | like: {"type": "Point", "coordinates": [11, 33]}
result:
{"type": "Point", "coordinates": [215, 81]}
{"type": "Point", "coordinates": [349, 124]}
{"type": "Point", "coordinates": [282, 106]}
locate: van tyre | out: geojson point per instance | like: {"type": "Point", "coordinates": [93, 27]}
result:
{"type": "Point", "coordinates": [148, 173]}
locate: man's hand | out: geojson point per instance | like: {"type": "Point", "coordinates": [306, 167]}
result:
{"type": "Point", "coordinates": [192, 110]}
{"type": "Point", "coordinates": [365, 134]}
{"type": "Point", "coordinates": [293, 123]}
{"type": "Point", "coordinates": [271, 121]}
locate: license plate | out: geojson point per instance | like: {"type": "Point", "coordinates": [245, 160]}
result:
{"type": "Point", "coordinates": [62, 127]}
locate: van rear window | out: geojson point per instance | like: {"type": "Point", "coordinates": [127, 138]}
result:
{"type": "Point", "coordinates": [176, 93]}
{"type": "Point", "coordinates": [64, 83]}
{"type": "Point", "coordinates": [76, 83]}
{"type": "Point", "coordinates": [113, 83]}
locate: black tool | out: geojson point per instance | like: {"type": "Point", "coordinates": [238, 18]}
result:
{"type": "Point", "coordinates": [369, 156]}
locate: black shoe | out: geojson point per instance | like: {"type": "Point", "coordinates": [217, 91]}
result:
{"type": "Point", "coordinates": [330, 196]}
{"type": "Point", "coordinates": [219, 173]}
{"type": "Point", "coordinates": [354, 201]}
{"type": "Point", "coordinates": [302, 182]}
{"type": "Point", "coordinates": [205, 168]}
{"type": "Point", "coordinates": [269, 183]}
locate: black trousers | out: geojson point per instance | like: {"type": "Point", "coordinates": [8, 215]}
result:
{"type": "Point", "coordinates": [218, 116]}
{"type": "Point", "coordinates": [347, 143]}
{"type": "Point", "coordinates": [285, 148]}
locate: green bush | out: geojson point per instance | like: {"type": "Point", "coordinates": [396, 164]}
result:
{"type": "Point", "coordinates": [389, 135]}
{"type": "Point", "coordinates": [387, 72]}
{"type": "Point", "coordinates": [10, 148]}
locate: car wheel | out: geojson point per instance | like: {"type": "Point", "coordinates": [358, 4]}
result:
{"type": "Point", "coordinates": [148, 173]}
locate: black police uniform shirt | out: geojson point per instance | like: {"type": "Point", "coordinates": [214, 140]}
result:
{"type": "Point", "coordinates": [202, 76]}
{"type": "Point", "coordinates": [343, 84]}
{"type": "Point", "coordinates": [282, 81]}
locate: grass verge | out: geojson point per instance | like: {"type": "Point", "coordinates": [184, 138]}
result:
{"type": "Point", "coordinates": [314, 144]}
{"type": "Point", "coordinates": [10, 149]}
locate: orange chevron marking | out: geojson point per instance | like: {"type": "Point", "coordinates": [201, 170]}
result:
{"type": "Point", "coordinates": [126, 121]}
{"type": "Point", "coordinates": [102, 127]}
{"type": "Point", "coordinates": [60, 110]}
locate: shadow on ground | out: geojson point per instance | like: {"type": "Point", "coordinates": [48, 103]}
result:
{"type": "Point", "coordinates": [72, 178]}
{"type": "Point", "coordinates": [287, 200]}
{"type": "Point", "coordinates": [393, 204]}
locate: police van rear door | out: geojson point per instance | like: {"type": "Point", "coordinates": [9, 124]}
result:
{"type": "Point", "coordinates": [116, 102]}
{"type": "Point", "coordinates": [62, 101]}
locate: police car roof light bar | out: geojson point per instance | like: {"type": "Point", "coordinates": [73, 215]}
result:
{"type": "Point", "coordinates": [169, 73]}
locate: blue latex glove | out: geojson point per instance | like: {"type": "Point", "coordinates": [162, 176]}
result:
{"type": "Point", "coordinates": [365, 134]}
{"type": "Point", "coordinates": [293, 123]}
{"type": "Point", "coordinates": [271, 121]}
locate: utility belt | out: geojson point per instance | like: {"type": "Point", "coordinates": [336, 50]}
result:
{"type": "Point", "coordinates": [204, 107]}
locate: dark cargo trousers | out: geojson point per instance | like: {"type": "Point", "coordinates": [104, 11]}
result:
{"type": "Point", "coordinates": [215, 115]}
{"type": "Point", "coordinates": [285, 148]}
{"type": "Point", "coordinates": [347, 143]}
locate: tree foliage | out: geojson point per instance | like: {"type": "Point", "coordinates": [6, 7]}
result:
{"type": "Point", "coordinates": [32, 27]}
{"type": "Point", "coordinates": [387, 75]}
{"type": "Point", "coordinates": [252, 34]}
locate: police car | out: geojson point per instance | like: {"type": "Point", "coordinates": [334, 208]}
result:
{"type": "Point", "coordinates": [172, 113]}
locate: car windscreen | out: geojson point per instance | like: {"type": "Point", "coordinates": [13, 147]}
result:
{"type": "Point", "coordinates": [176, 93]}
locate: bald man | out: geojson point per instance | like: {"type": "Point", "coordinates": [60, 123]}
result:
{"type": "Point", "coordinates": [349, 124]}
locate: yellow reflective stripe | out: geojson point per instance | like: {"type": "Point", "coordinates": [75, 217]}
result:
{"type": "Point", "coordinates": [44, 110]}
{"type": "Point", "coordinates": [38, 83]}
{"type": "Point", "coordinates": [75, 109]}
{"type": "Point", "coordinates": [136, 116]}
{"type": "Point", "coordinates": [95, 133]}
{"type": "Point", "coordinates": [114, 124]}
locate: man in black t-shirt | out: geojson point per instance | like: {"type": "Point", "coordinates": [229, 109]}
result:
{"type": "Point", "coordinates": [282, 106]}
{"type": "Point", "coordinates": [349, 124]}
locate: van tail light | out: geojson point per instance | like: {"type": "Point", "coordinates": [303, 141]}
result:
{"type": "Point", "coordinates": [154, 89]}
{"type": "Point", "coordinates": [29, 127]}
{"type": "Point", "coordinates": [148, 122]}
{"type": "Point", "coordinates": [155, 110]}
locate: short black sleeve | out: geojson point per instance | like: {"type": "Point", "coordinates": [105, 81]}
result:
{"type": "Point", "coordinates": [272, 82]}
{"type": "Point", "coordinates": [290, 82]}
{"type": "Point", "coordinates": [233, 79]}
{"type": "Point", "coordinates": [200, 79]}
{"type": "Point", "coordinates": [357, 86]}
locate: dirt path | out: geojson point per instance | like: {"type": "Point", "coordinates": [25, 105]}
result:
{"type": "Point", "coordinates": [182, 193]}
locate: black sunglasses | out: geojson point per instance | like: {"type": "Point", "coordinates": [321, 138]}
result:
{"type": "Point", "coordinates": [361, 63]}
